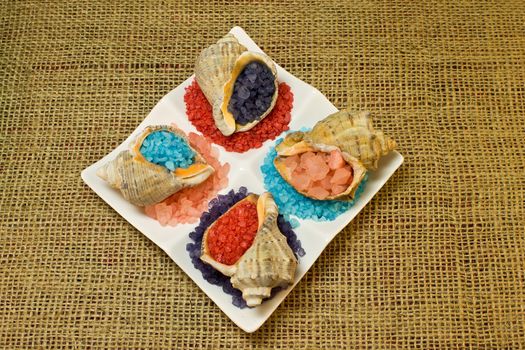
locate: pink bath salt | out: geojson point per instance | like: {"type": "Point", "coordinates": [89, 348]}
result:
{"type": "Point", "coordinates": [310, 160]}
{"type": "Point", "coordinates": [318, 192]}
{"type": "Point", "coordinates": [301, 181]}
{"type": "Point", "coordinates": [150, 211]}
{"type": "Point", "coordinates": [318, 168]}
{"type": "Point", "coordinates": [196, 196]}
{"type": "Point", "coordinates": [305, 157]}
{"type": "Point", "coordinates": [193, 212]}
{"type": "Point", "coordinates": [337, 189]}
{"type": "Point", "coordinates": [184, 202]}
{"type": "Point", "coordinates": [336, 160]}
{"type": "Point", "coordinates": [325, 182]}
{"type": "Point", "coordinates": [174, 221]}
{"type": "Point", "coordinates": [291, 162]}
{"type": "Point", "coordinates": [225, 169]}
{"type": "Point", "coordinates": [341, 176]}
{"type": "Point", "coordinates": [163, 213]}
{"type": "Point", "coordinates": [214, 153]}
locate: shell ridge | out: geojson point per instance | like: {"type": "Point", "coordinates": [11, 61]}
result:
{"type": "Point", "coordinates": [353, 132]}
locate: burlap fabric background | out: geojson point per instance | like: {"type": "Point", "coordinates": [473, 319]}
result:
{"type": "Point", "coordinates": [436, 260]}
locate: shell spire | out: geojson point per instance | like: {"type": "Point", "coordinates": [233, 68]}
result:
{"type": "Point", "coordinates": [354, 134]}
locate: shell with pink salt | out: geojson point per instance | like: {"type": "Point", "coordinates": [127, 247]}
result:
{"type": "Point", "coordinates": [321, 170]}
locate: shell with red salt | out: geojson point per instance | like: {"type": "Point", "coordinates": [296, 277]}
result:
{"type": "Point", "coordinates": [268, 263]}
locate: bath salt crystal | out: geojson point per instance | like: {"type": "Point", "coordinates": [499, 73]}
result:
{"type": "Point", "coordinates": [301, 181]}
{"type": "Point", "coordinates": [318, 192]}
{"type": "Point", "coordinates": [336, 189]}
{"type": "Point", "coordinates": [325, 182]}
{"type": "Point", "coordinates": [306, 159]}
{"type": "Point", "coordinates": [291, 162]}
{"type": "Point", "coordinates": [341, 176]}
{"type": "Point", "coordinates": [163, 212]}
{"type": "Point", "coordinates": [320, 170]}
{"type": "Point", "coordinates": [336, 160]}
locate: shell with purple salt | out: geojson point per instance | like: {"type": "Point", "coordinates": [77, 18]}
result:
{"type": "Point", "coordinates": [240, 85]}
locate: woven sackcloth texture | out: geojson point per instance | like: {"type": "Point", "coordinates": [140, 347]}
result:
{"type": "Point", "coordinates": [435, 261]}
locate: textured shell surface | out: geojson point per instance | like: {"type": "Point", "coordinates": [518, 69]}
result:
{"type": "Point", "coordinates": [295, 143]}
{"type": "Point", "coordinates": [354, 134]}
{"type": "Point", "coordinates": [216, 71]}
{"type": "Point", "coordinates": [144, 183]}
{"type": "Point", "coordinates": [268, 263]}
{"type": "Point", "coordinates": [214, 66]}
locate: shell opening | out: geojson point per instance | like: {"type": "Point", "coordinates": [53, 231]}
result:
{"type": "Point", "coordinates": [320, 175]}
{"type": "Point", "coordinates": [251, 91]}
{"type": "Point", "coordinates": [165, 148]}
{"type": "Point", "coordinates": [228, 238]}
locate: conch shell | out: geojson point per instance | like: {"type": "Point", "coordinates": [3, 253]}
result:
{"type": "Point", "coordinates": [294, 144]}
{"type": "Point", "coordinates": [354, 134]}
{"type": "Point", "coordinates": [268, 263]}
{"type": "Point", "coordinates": [144, 183]}
{"type": "Point", "coordinates": [216, 71]}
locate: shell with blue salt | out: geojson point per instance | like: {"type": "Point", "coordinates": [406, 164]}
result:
{"type": "Point", "coordinates": [145, 183]}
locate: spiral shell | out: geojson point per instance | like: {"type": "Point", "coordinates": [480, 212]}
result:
{"type": "Point", "coordinates": [353, 133]}
{"type": "Point", "coordinates": [268, 263]}
{"type": "Point", "coordinates": [144, 183]}
{"type": "Point", "coordinates": [216, 71]}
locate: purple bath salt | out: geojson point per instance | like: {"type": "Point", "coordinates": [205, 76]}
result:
{"type": "Point", "coordinates": [217, 207]}
{"type": "Point", "coordinates": [252, 93]}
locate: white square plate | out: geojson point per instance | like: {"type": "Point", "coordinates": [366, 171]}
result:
{"type": "Point", "coordinates": [309, 107]}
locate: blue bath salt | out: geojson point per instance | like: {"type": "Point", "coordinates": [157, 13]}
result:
{"type": "Point", "coordinates": [167, 149]}
{"type": "Point", "coordinates": [291, 202]}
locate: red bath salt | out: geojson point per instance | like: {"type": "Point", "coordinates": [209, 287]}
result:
{"type": "Point", "coordinates": [187, 205]}
{"type": "Point", "coordinates": [233, 233]}
{"type": "Point", "coordinates": [200, 114]}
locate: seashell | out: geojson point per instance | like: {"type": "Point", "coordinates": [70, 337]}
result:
{"type": "Point", "coordinates": [295, 144]}
{"type": "Point", "coordinates": [216, 71]}
{"type": "Point", "coordinates": [354, 134]}
{"type": "Point", "coordinates": [268, 263]}
{"type": "Point", "coordinates": [144, 183]}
